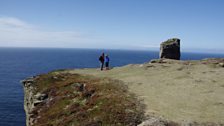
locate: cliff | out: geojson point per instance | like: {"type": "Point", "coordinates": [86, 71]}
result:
{"type": "Point", "coordinates": [161, 92]}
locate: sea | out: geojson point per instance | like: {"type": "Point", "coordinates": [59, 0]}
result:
{"type": "Point", "coordinates": [17, 64]}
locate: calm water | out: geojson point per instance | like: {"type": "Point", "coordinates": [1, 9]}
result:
{"type": "Point", "coordinates": [18, 63]}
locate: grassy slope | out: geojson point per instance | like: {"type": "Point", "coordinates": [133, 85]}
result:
{"type": "Point", "coordinates": [190, 90]}
{"type": "Point", "coordinates": [83, 100]}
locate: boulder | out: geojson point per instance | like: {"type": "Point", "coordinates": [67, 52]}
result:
{"type": "Point", "coordinates": [170, 49]}
{"type": "Point", "coordinates": [158, 122]}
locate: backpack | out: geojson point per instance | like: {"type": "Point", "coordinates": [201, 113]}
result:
{"type": "Point", "coordinates": [100, 58]}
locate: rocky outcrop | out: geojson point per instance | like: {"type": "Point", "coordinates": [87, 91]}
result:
{"type": "Point", "coordinates": [170, 49]}
{"type": "Point", "coordinates": [153, 121]}
{"type": "Point", "coordinates": [31, 99]}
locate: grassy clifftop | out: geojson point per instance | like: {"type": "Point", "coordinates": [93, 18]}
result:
{"type": "Point", "coordinates": [73, 99]}
{"type": "Point", "coordinates": [181, 91]}
{"type": "Point", "coordinates": [174, 93]}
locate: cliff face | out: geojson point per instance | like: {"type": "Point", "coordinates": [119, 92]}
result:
{"type": "Point", "coordinates": [31, 99]}
{"type": "Point", "coordinates": [28, 99]}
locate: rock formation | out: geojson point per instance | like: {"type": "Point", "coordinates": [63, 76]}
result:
{"type": "Point", "coordinates": [31, 99]}
{"type": "Point", "coordinates": [170, 49]}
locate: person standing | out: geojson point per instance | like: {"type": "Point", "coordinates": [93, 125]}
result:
{"type": "Point", "coordinates": [107, 60]}
{"type": "Point", "coordinates": [101, 59]}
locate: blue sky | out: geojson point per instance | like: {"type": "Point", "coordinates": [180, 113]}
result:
{"type": "Point", "coordinates": [114, 24]}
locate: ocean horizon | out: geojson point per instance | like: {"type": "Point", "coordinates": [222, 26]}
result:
{"type": "Point", "coordinates": [17, 64]}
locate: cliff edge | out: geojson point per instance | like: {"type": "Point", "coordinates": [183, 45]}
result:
{"type": "Point", "coordinates": [162, 92]}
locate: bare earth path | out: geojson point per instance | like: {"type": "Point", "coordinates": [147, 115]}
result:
{"type": "Point", "coordinates": [175, 90]}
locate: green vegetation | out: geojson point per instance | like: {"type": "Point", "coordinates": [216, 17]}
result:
{"type": "Point", "coordinates": [169, 41]}
{"type": "Point", "coordinates": [83, 100]}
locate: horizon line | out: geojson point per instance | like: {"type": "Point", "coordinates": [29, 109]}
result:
{"type": "Point", "coordinates": [186, 50]}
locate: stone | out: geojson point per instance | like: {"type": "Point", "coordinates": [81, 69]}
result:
{"type": "Point", "coordinates": [37, 102]}
{"type": "Point", "coordinates": [153, 122]}
{"type": "Point", "coordinates": [27, 82]}
{"type": "Point", "coordinates": [79, 86]}
{"type": "Point", "coordinates": [221, 64]}
{"type": "Point", "coordinates": [40, 96]}
{"type": "Point", "coordinates": [170, 49]}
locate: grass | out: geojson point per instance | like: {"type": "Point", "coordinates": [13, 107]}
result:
{"type": "Point", "coordinates": [83, 100]}
{"type": "Point", "coordinates": [169, 41]}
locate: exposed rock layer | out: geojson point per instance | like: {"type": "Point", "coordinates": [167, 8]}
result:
{"type": "Point", "coordinates": [31, 99]}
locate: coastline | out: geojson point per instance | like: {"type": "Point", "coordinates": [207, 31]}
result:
{"type": "Point", "coordinates": [172, 90]}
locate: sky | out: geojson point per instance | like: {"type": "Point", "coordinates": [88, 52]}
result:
{"type": "Point", "coordinates": [112, 24]}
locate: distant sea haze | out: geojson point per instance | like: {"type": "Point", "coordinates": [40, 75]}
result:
{"type": "Point", "coordinates": [19, 63]}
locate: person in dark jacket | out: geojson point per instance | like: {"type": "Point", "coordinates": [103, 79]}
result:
{"type": "Point", "coordinates": [101, 59]}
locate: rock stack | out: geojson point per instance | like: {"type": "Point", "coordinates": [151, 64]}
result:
{"type": "Point", "coordinates": [170, 49]}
